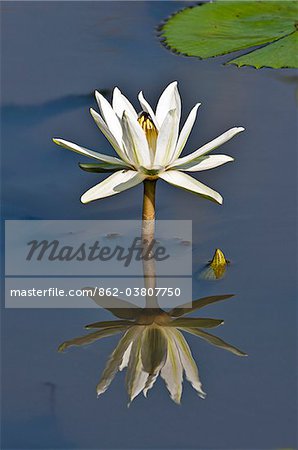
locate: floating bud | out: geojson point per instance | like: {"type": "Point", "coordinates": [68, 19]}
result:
{"type": "Point", "coordinates": [216, 268]}
{"type": "Point", "coordinates": [218, 259]}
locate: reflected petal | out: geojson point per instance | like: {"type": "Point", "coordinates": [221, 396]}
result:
{"type": "Point", "coordinates": [172, 371]}
{"type": "Point", "coordinates": [198, 304]}
{"type": "Point", "coordinates": [188, 363]}
{"type": "Point", "coordinates": [91, 337]}
{"type": "Point", "coordinates": [196, 322]}
{"type": "Point", "coordinates": [136, 378]}
{"type": "Point", "coordinates": [153, 354]}
{"type": "Point", "coordinates": [120, 308]}
{"type": "Point", "coordinates": [214, 340]}
{"type": "Point", "coordinates": [154, 348]}
{"type": "Point", "coordinates": [125, 358]}
{"type": "Point", "coordinates": [109, 324]}
{"type": "Point", "coordinates": [115, 360]}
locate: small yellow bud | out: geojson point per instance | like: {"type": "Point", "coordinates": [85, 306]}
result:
{"type": "Point", "coordinates": [216, 268]}
{"type": "Point", "coordinates": [218, 259]}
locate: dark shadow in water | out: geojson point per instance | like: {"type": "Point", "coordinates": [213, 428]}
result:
{"type": "Point", "coordinates": [33, 114]}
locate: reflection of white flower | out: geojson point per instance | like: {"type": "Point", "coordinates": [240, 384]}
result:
{"type": "Point", "coordinates": [149, 145]}
{"type": "Point", "coordinates": [152, 345]}
{"type": "Point", "coordinates": [149, 351]}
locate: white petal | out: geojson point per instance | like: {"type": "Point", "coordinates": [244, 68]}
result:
{"type": "Point", "coordinates": [115, 360]}
{"type": "Point", "coordinates": [184, 181]}
{"type": "Point", "coordinates": [172, 371]}
{"type": "Point", "coordinates": [167, 139]}
{"type": "Point", "coordinates": [135, 377]}
{"type": "Point", "coordinates": [212, 145]}
{"type": "Point", "coordinates": [147, 108]}
{"type": "Point", "coordinates": [150, 382]}
{"type": "Point", "coordinates": [109, 116]}
{"type": "Point", "coordinates": [185, 132]}
{"type": "Point", "coordinates": [110, 137]}
{"type": "Point", "coordinates": [188, 363]}
{"type": "Point", "coordinates": [114, 184]}
{"type": "Point", "coordinates": [135, 142]}
{"type": "Point", "coordinates": [121, 104]}
{"type": "Point", "coordinates": [139, 384]}
{"type": "Point", "coordinates": [153, 354]}
{"type": "Point", "coordinates": [206, 163]}
{"type": "Point", "coordinates": [125, 358]}
{"type": "Point", "coordinates": [86, 152]}
{"type": "Point", "coordinates": [169, 99]}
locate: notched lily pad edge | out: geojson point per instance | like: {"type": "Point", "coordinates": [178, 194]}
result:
{"type": "Point", "coordinates": [162, 39]}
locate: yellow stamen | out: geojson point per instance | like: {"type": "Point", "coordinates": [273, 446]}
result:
{"type": "Point", "coordinates": [149, 128]}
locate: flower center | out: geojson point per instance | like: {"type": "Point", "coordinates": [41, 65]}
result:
{"type": "Point", "coordinates": [160, 319]}
{"type": "Point", "coordinates": [149, 128]}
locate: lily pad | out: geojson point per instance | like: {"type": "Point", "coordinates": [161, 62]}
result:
{"type": "Point", "coordinates": [222, 27]}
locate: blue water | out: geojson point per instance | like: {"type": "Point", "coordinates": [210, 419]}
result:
{"type": "Point", "coordinates": [54, 55]}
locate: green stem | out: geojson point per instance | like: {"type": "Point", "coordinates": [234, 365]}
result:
{"type": "Point", "coordinates": [148, 228]}
{"type": "Point", "coordinates": [149, 200]}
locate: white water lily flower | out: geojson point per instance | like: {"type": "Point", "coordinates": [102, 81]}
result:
{"type": "Point", "coordinates": [152, 345]}
{"type": "Point", "coordinates": [149, 146]}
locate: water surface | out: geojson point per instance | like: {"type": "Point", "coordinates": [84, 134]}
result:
{"type": "Point", "coordinates": [54, 55]}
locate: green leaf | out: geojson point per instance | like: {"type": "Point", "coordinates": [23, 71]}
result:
{"type": "Point", "coordinates": [100, 167]}
{"type": "Point", "coordinates": [222, 27]}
